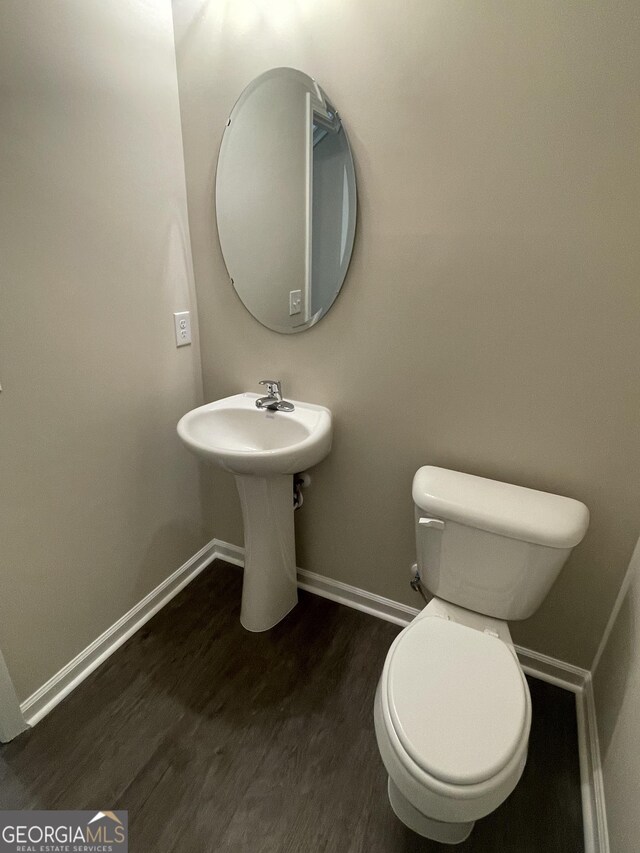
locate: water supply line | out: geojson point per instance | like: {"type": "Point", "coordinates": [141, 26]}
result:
{"type": "Point", "coordinates": [416, 582]}
{"type": "Point", "coordinates": [300, 482]}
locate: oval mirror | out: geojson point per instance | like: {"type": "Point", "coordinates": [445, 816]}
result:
{"type": "Point", "coordinates": [286, 200]}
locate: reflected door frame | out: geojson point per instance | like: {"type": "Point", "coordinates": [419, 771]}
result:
{"type": "Point", "coordinates": [12, 722]}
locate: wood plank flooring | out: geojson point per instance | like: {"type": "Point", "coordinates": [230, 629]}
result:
{"type": "Point", "coordinates": [216, 739]}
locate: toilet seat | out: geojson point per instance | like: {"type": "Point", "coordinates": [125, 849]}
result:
{"type": "Point", "coordinates": [457, 701]}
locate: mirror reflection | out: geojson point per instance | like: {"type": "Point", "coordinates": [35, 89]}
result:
{"type": "Point", "coordinates": [286, 200]}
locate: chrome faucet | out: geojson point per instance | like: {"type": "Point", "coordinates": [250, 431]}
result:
{"type": "Point", "coordinates": [273, 401]}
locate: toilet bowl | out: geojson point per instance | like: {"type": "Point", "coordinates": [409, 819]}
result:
{"type": "Point", "coordinates": [452, 717]}
{"type": "Point", "coordinates": [452, 709]}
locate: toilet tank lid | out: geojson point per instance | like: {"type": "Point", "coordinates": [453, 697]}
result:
{"type": "Point", "coordinates": [513, 511]}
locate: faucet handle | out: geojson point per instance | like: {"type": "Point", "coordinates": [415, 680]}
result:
{"type": "Point", "coordinates": [274, 387]}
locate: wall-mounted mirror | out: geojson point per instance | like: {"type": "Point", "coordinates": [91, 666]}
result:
{"type": "Point", "coordinates": [286, 200]}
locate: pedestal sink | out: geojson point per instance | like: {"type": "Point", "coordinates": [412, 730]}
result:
{"type": "Point", "coordinates": [263, 449]}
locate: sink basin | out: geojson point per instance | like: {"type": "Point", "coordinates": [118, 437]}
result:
{"type": "Point", "coordinates": [263, 449]}
{"type": "Point", "coordinates": [243, 439]}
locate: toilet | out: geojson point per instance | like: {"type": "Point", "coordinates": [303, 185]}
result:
{"type": "Point", "coordinates": [452, 709]}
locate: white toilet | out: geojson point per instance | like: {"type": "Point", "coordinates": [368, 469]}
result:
{"type": "Point", "coordinates": [452, 708]}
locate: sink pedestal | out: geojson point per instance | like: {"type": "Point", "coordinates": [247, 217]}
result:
{"type": "Point", "coordinates": [263, 449]}
{"type": "Point", "coordinates": [269, 590]}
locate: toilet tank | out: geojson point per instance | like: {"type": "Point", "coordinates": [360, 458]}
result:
{"type": "Point", "coordinates": [491, 547]}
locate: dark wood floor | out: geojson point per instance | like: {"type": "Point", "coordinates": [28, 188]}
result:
{"type": "Point", "coordinates": [216, 739]}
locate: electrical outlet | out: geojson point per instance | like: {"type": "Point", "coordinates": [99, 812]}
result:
{"type": "Point", "coordinates": [295, 302]}
{"type": "Point", "coordinates": [182, 324]}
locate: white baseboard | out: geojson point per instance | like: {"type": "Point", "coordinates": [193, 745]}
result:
{"type": "Point", "coordinates": [552, 670]}
{"type": "Point", "coordinates": [540, 666]}
{"type": "Point", "coordinates": [594, 812]}
{"type": "Point", "coordinates": [359, 599]}
{"type": "Point", "coordinates": [233, 554]}
{"type": "Point", "coordinates": [74, 673]}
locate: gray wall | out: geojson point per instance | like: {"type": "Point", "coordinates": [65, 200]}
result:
{"type": "Point", "coordinates": [616, 685]}
{"type": "Point", "coordinates": [489, 321]}
{"type": "Point", "coordinates": [99, 502]}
